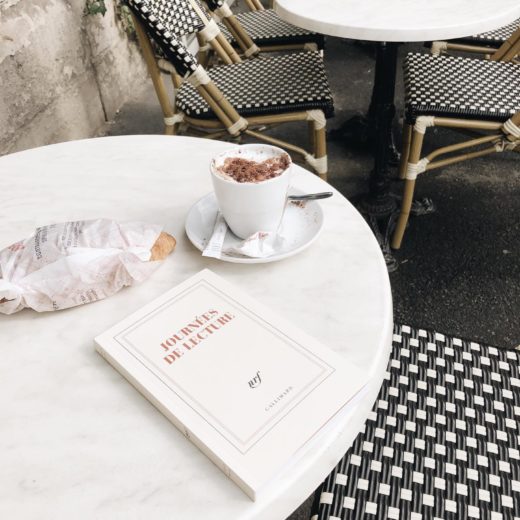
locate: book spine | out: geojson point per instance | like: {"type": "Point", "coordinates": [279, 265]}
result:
{"type": "Point", "coordinates": [248, 490]}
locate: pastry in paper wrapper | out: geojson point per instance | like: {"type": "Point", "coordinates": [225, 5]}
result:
{"type": "Point", "coordinates": [68, 264]}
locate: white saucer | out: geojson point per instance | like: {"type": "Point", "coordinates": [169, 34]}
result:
{"type": "Point", "coordinates": [302, 223]}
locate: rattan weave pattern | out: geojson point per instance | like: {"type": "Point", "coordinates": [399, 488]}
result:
{"type": "Point", "coordinates": [289, 82]}
{"type": "Point", "coordinates": [160, 18]}
{"type": "Point", "coordinates": [442, 441]}
{"type": "Point", "coordinates": [267, 28]}
{"type": "Point", "coordinates": [455, 86]}
{"type": "Point", "coordinates": [178, 16]}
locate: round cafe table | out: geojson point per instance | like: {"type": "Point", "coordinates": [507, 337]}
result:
{"type": "Point", "coordinates": [76, 439]}
{"type": "Point", "coordinates": [390, 22]}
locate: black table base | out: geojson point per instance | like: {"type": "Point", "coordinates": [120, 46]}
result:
{"type": "Point", "coordinates": [360, 131]}
{"type": "Point", "coordinates": [379, 206]}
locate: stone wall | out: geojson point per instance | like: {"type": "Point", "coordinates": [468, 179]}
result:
{"type": "Point", "coordinates": [63, 74]}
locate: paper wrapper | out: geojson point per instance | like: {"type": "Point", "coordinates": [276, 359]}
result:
{"type": "Point", "coordinates": [72, 263]}
{"type": "Point", "coordinates": [261, 244]}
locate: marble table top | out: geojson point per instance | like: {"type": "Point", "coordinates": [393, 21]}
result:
{"type": "Point", "coordinates": [399, 20]}
{"type": "Point", "coordinates": [76, 439]}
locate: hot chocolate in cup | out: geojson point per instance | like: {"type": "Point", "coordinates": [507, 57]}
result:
{"type": "Point", "coordinates": [251, 182]}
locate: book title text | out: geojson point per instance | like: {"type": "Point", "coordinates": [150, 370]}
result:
{"type": "Point", "coordinates": [194, 333]}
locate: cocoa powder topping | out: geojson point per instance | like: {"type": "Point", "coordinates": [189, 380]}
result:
{"type": "Point", "coordinates": [244, 170]}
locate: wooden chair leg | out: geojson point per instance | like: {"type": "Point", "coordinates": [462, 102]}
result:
{"type": "Point", "coordinates": [176, 84]}
{"type": "Point", "coordinates": [320, 151]}
{"type": "Point", "coordinates": [405, 152]}
{"type": "Point", "coordinates": [254, 5]}
{"type": "Point", "coordinates": [155, 74]}
{"type": "Point", "coordinates": [406, 206]}
{"type": "Point", "coordinates": [203, 54]}
{"type": "Point", "coordinates": [312, 143]}
{"type": "Point", "coordinates": [409, 187]}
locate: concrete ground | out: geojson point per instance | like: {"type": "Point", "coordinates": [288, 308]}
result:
{"type": "Point", "coordinates": [458, 267]}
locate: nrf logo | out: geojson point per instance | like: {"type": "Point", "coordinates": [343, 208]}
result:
{"type": "Point", "coordinates": [253, 383]}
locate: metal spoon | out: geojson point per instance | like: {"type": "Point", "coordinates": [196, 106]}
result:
{"type": "Point", "coordinates": [311, 196]}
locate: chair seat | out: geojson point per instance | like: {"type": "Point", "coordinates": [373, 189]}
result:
{"type": "Point", "coordinates": [493, 38]}
{"type": "Point", "coordinates": [262, 86]}
{"type": "Point", "coordinates": [267, 28]}
{"type": "Point", "coordinates": [442, 440]}
{"type": "Point", "coordinates": [466, 88]}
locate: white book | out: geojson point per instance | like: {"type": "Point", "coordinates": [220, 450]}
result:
{"type": "Point", "coordinates": [245, 386]}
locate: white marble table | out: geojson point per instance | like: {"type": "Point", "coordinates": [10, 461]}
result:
{"type": "Point", "coordinates": [76, 440]}
{"type": "Point", "coordinates": [389, 22]}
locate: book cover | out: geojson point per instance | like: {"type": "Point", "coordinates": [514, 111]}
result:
{"type": "Point", "coordinates": [245, 386]}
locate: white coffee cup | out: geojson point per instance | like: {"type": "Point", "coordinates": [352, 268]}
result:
{"type": "Point", "coordinates": [249, 207]}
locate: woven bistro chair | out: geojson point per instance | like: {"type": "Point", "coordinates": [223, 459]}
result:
{"type": "Point", "coordinates": [479, 97]}
{"type": "Point", "coordinates": [262, 29]}
{"type": "Point", "coordinates": [236, 97]}
{"type": "Point", "coordinates": [494, 44]}
{"type": "Point", "coordinates": [442, 441]}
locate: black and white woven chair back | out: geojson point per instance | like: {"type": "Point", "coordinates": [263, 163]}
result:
{"type": "Point", "coordinates": [178, 16]}
{"type": "Point", "coordinates": [166, 21]}
{"type": "Point", "coordinates": [443, 439]}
